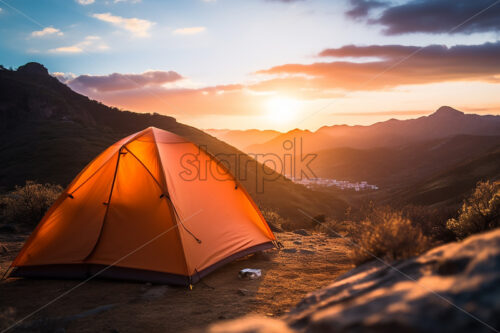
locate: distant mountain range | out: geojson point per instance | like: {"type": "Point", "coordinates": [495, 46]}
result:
{"type": "Point", "coordinates": [48, 133]}
{"type": "Point", "coordinates": [443, 123]}
{"type": "Point", "coordinates": [435, 159]}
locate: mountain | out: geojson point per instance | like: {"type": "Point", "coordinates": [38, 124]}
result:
{"type": "Point", "coordinates": [243, 138]}
{"type": "Point", "coordinates": [49, 133]}
{"type": "Point", "coordinates": [395, 167]}
{"type": "Point", "coordinates": [443, 123]}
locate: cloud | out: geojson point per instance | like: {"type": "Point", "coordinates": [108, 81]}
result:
{"type": "Point", "coordinates": [121, 82]}
{"type": "Point", "coordinates": [162, 91]}
{"type": "Point", "coordinates": [435, 63]}
{"type": "Point", "coordinates": [138, 27]}
{"type": "Point", "coordinates": [63, 77]}
{"type": "Point", "coordinates": [46, 32]}
{"type": "Point", "coordinates": [361, 8]}
{"type": "Point", "coordinates": [89, 44]}
{"type": "Point", "coordinates": [189, 31]}
{"type": "Point", "coordinates": [85, 2]}
{"type": "Point", "coordinates": [431, 16]}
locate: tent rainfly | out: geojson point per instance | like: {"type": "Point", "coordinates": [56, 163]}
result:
{"type": "Point", "coordinates": [137, 213]}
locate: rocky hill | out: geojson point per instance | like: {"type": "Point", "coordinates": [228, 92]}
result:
{"type": "Point", "coordinates": [451, 288]}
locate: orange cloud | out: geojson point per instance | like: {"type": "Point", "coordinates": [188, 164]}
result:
{"type": "Point", "coordinates": [396, 65]}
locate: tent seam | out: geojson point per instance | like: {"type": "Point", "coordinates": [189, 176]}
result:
{"type": "Point", "coordinates": [172, 210]}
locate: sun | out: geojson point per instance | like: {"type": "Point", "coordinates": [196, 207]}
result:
{"type": "Point", "coordinates": [282, 110]}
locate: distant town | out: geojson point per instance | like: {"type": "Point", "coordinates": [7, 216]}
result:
{"type": "Point", "coordinates": [341, 184]}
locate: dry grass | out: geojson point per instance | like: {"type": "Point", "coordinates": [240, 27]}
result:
{"type": "Point", "coordinates": [27, 204]}
{"type": "Point", "coordinates": [388, 235]}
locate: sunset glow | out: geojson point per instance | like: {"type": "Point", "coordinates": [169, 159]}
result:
{"type": "Point", "coordinates": [262, 64]}
{"type": "Point", "coordinates": [282, 110]}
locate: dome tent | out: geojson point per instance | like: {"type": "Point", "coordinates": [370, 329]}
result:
{"type": "Point", "coordinates": [137, 213]}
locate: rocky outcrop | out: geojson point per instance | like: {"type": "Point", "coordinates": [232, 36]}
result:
{"type": "Point", "coordinates": [452, 288]}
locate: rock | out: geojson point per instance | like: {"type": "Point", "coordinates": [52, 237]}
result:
{"type": "Point", "coordinates": [33, 68]}
{"type": "Point", "coordinates": [250, 325]}
{"type": "Point", "coordinates": [289, 250]}
{"type": "Point", "coordinates": [297, 242]}
{"type": "Point", "coordinates": [242, 292]}
{"type": "Point", "coordinates": [303, 251]}
{"type": "Point", "coordinates": [302, 232]}
{"type": "Point", "coordinates": [452, 288]}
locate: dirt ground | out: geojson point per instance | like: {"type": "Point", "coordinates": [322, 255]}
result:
{"type": "Point", "coordinates": [306, 264]}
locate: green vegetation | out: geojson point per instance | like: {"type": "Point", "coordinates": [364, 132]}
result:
{"type": "Point", "coordinates": [479, 212]}
{"type": "Point", "coordinates": [27, 204]}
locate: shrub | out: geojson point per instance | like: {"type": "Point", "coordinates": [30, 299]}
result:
{"type": "Point", "coordinates": [27, 204]}
{"type": "Point", "coordinates": [432, 221]}
{"type": "Point", "coordinates": [388, 235]}
{"type": "Point", "coordinates": [335, 228]}
{"type": "Point", "coordinates": [479, 212]}
{"type": "Point", "coordinates": [273, 219]}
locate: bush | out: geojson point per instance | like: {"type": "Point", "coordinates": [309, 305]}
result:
{"type": "Point", "coordinates": [27, 204]}
{"type": "Point", "coordinates": [335, 228]}
{"type": "Point", "coordinates": [388, 235]}
{"type": "Point", "coordinates": [432, 221]}
{"type": "Point", "coordinates": [479, 212]}
{"type": "Point", "coordinates": [273, 219]}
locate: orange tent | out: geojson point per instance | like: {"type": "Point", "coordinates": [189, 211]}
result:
{"type": "Point", "coordinates": [152, 207]}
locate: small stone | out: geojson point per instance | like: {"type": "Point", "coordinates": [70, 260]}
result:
{"type": "Point", "coordinates": [297, 242]}
{"type": "Point", "coordinates": [307, 251]}
{"type": "Point", "coordinates": [290, 250]}
{"type": "Point", "coordinates": [302, 232]}
{"type": "Point", "coordinates": [242, 291]}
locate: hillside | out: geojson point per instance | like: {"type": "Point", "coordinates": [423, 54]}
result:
{"type": "Point", "coordinates": [445, 122]}
{"type": "Point", "coordinates": [395, 167]}
{"type": "Point", "coordinates": [452, 185]}
{"type": "Point", "coordinates": [49, 133]}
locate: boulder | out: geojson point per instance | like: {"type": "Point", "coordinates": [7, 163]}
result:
{"type": "Point", "coordinates": [302, 232]}
{"type": "Point", "coordinates": [451, 288]}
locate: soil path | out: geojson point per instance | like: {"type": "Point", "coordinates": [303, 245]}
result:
{"type": "Point", "coordinates": [306, 264]}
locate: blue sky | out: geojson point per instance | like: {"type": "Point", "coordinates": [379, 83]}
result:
{"type": "Point", "coordinates": [209, 43]}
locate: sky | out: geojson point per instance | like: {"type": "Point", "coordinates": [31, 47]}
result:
{"type": "Point", "coordinates": [265, 64]}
